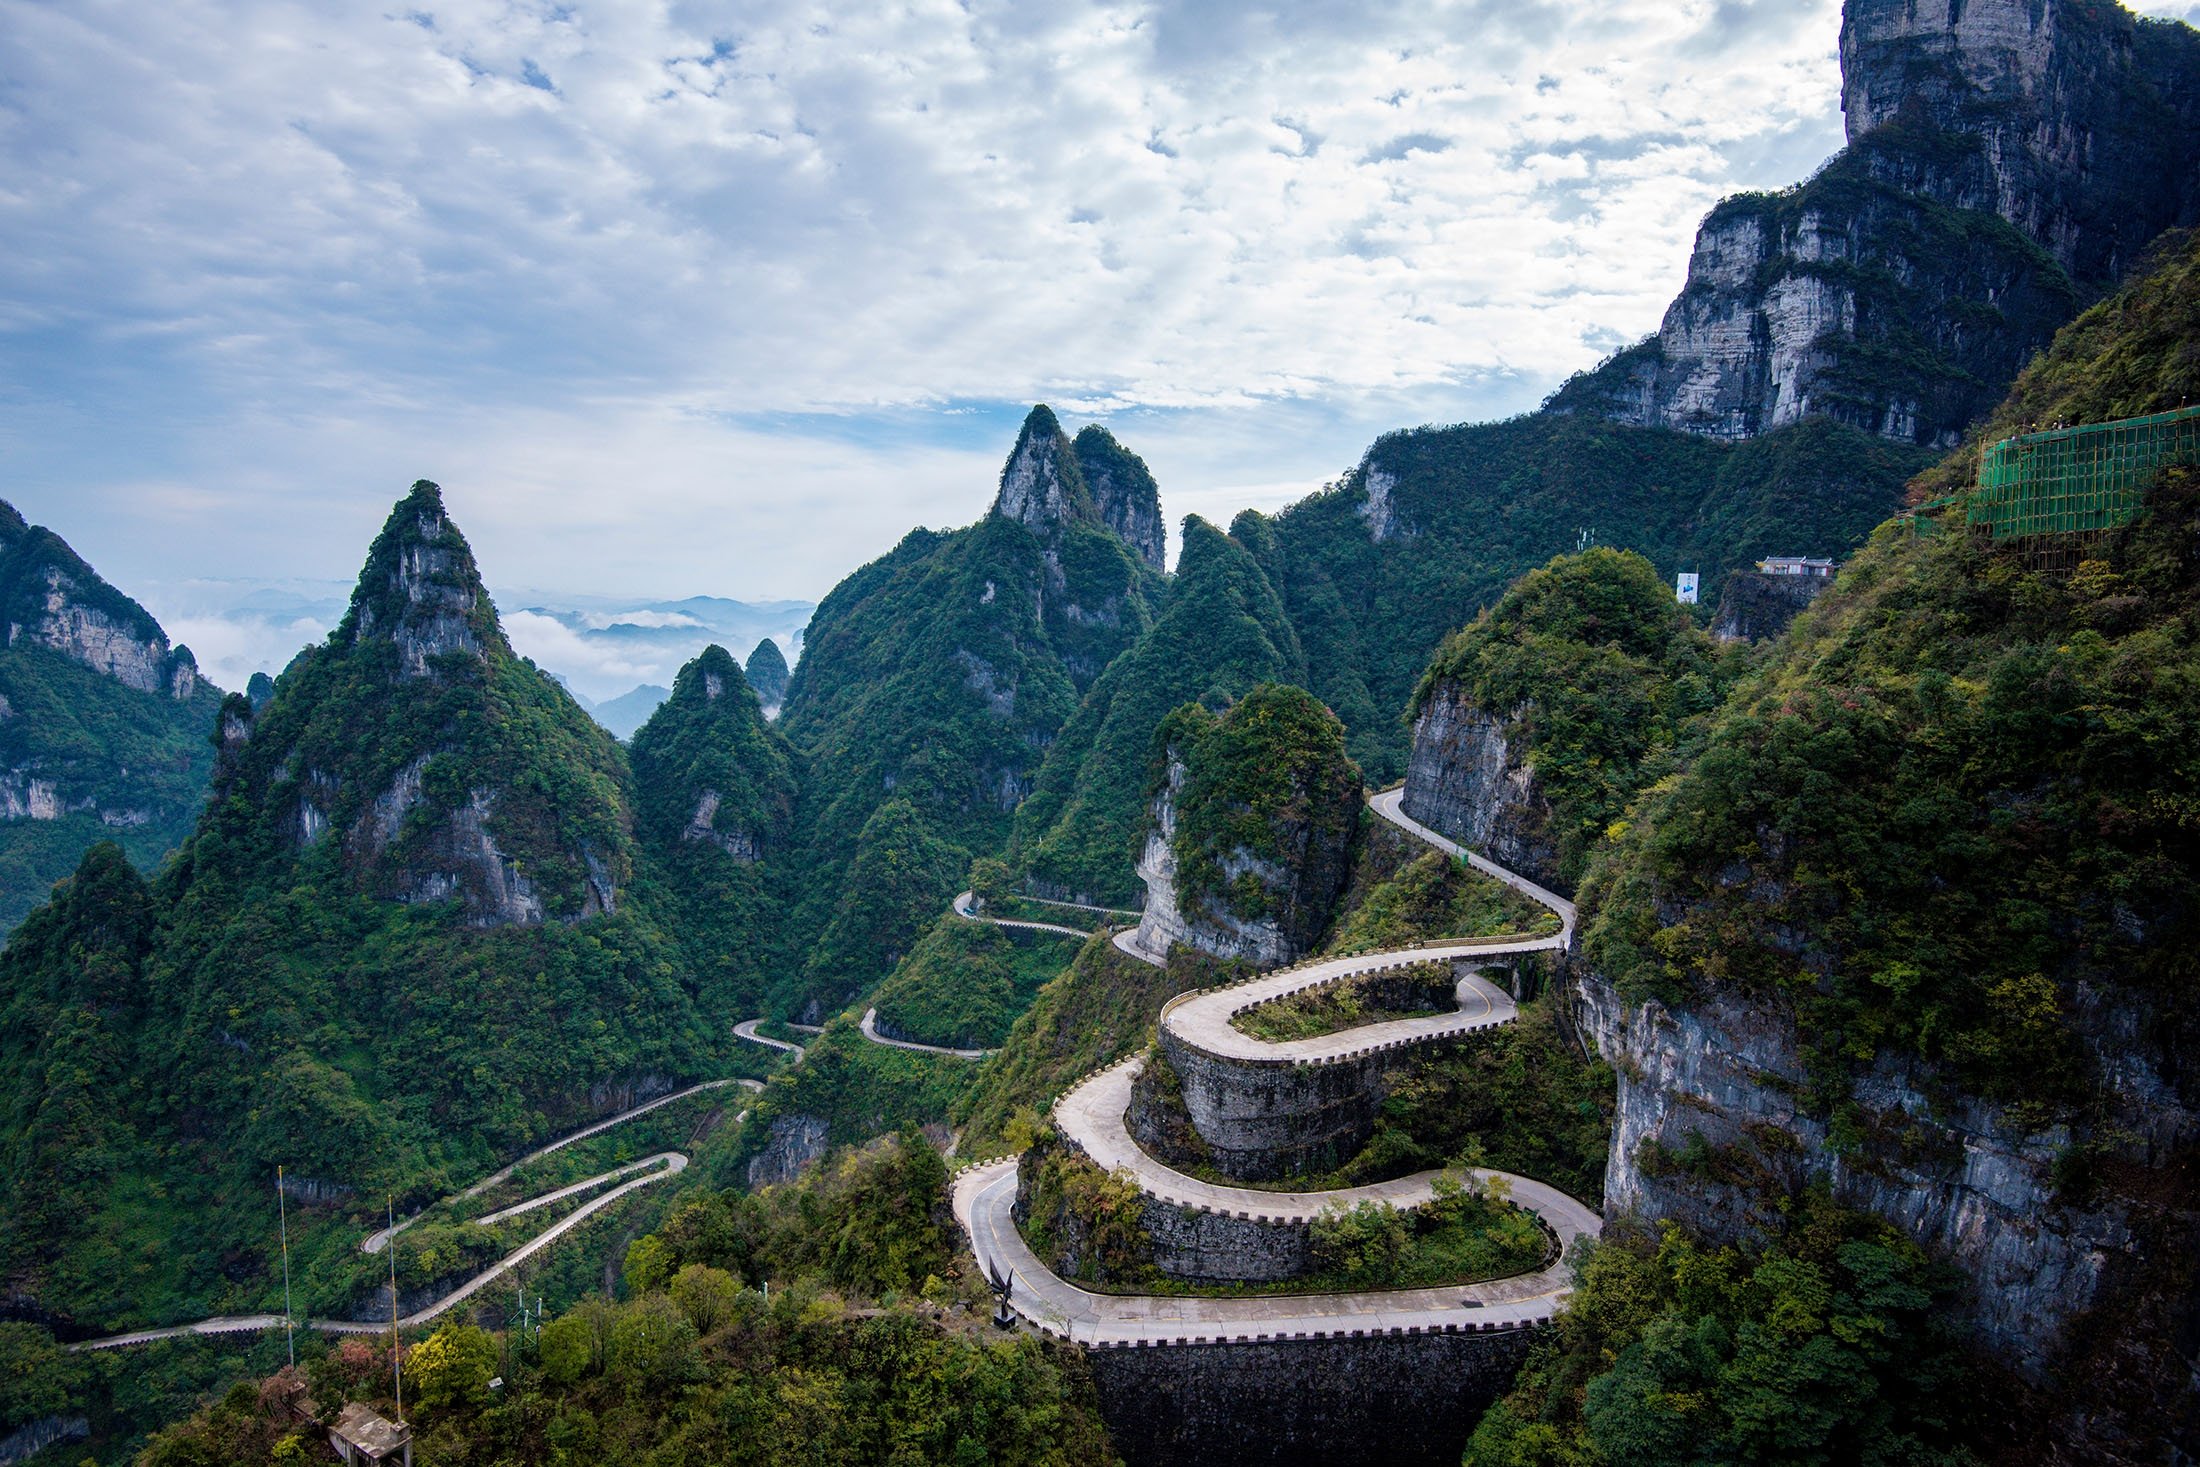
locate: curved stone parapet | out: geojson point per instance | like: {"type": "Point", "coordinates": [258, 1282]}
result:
{"type": "Point", "coordinates": [1272, 1096]}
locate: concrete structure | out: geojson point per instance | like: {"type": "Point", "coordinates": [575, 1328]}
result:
{"type": "Point", "coordinates": [361, 1435]}
{"type": "Point", "coordinates": [1798, 565]}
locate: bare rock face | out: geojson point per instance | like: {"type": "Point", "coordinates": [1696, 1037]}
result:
{"type": "Point", "coordinates": [2088, 121]}
{"type": "Point", "coordinates": [797, 1144]}
{"type": "Point", "coordinates": [1042, 486]}
{"type": "Point", "coordinates": [1163, 923]}
{"type": "Point", "coordinates": [1466, 780]}
{"type": "Point", "coordinates": [430, 602]}
{"type": "Point", "coordinates": [1124, 491]}
{"type": "Point", "coordinates": [2063, 134]}
{"type": "Point", "coordinates": [1710, 1132]}
{"type": "Point", "coordinates": [1755, 607]}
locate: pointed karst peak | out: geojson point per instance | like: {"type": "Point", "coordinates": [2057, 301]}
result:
{"type": "Point", "coordinates": [1124, 492]}
{"type": "Point", "coordinates": [1042, 486]}
{"type": "Point", "coordinates": [768, 673]}
{"type": "Point", "coordinates": [13, 526]}
{"type": "Point", "coordinates": [421, 591]}
{"type": "Point", "coordinates": [709, 676]}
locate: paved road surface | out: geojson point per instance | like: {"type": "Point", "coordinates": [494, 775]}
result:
{"type": "Point", "coordinates": [1091, 1115]}
{"type": "Point", "coordinates": [870, 1032]}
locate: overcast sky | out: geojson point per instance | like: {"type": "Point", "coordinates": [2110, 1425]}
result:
{"type": "Point", "coordinates": [682, 299]}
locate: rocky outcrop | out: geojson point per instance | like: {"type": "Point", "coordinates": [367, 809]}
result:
{"type": "Point", "coordinates": [1042, 487]}
{"type": "Point", "coordinates": [1163, 924]}
{"type": "Point", "coordinates": [1755, 607]}
{"type": "Point", "coordinates": [1711, 1131]}
{"type": "Point", "coordinates": [421, 591]}
{"type": "Point", "coordinates": [2086, 120]}
{"type": "Point", "coordinates": [1124, 491]}
{"type": "Point", "coordinates": [1999, 151]}
{"type": "Point", "coordinates": [1467, 780]}
{"type": "Point", "coordinates": [797, 1144]}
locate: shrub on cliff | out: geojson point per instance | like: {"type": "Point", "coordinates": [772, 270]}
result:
{"type": "Point", "coordinates": [1594, 671]}
{"type": "Point", "coordinates": [1265, 809]}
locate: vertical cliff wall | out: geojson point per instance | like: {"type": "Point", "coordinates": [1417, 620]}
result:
{"type": "Point", "coordinates": [2006, 158]}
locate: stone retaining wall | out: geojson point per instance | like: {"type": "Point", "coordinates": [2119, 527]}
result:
{"type": "Point", "coordinates": [1400, 1400]}
{"type": "Point", "coordinates": [1263, 1120]}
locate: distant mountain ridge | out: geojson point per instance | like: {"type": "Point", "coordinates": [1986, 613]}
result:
{"type": "Point", "coordinates": [103, 723]}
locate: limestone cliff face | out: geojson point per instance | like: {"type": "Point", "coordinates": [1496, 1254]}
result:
{"type": "Point", "coordinates": [1124, 491]}
{"type": "Point", "coordinates": [1164, 923]}
{"type": "Point", "coordinates": [1249, 843]}
{"type": "Point", "coordinates": [2087, 120]}
{"type": "Point", "coordinates": [1999, 152]}
{"type": "Point", "coordinates": [1754, 607]}
{"type": "Point", "coordinates": [1467, 779]}
{"type": "Point", "coordinates": [52, 599]}
{"type": "Point", "coordinates": [1042, 487]}
{"type": "Point", "coordinates": [448, 770]}
{"type": "Point", "coordinates": [1709, 1131]}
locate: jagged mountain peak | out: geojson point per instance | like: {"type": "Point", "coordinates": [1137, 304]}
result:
{"type": "Point", "coordinates": [1124, 491]}
{"type": "Point", "coordinates": [50, 597]}
{"type": "Point", "coordinates": [707, 767]}
{"type": "Point", "coordinates": [421, 590]}
{"type": "Point", "coordinates": [711, 674]}
{"type": "Point", "coordinates": [1042, 485]}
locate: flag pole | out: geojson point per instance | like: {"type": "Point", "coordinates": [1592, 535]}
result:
{"type": "Point", "coordinates": [397, 1364]}
{"type": "Point", "coordinates": [282, 1214]}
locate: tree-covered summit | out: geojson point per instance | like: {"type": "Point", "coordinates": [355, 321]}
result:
{"type": "Point", "coordinates": [768, 674]}
{"type": "Point", "coordinates": [1221, 632]}
{"type": "Point", "coordinates": [939, 675]}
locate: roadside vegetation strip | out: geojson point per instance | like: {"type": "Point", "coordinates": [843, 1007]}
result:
{"type": "Point", "coordinates": [664, 1164]}
{"type": "Point", "coordinates": [379, 1239]}
{"type": "Point", "coordinates": [869, 1026]}
{"type": "Point", "coordinates": [1090, 1115]}
{"type": "Point", "coordinates": [965, 907]}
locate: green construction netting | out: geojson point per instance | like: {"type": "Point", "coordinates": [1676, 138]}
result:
{"type": "Point", "coordinates": [2076, 480]}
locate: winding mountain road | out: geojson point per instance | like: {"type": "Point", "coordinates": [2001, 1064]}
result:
{"type": "Point", "coordinates": [1091, 1115]}
{"type": "Point", "coordinates": [654, 1168]}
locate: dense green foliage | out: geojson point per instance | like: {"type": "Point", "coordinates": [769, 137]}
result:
{"type": "Point", "coordinates": [1099, 1010]}
{"type": "Point", "coordinates": [714, 807]}
{"type": "Point", "coordinates": [904, 875]}
{"type": "Point", "coordinates": [1473, 507]}
{"type": "Point", "coordinates": [1594, 671]}
{"type": "Point", "coordinates": [1403, 892]}
{"type": "Point", "coordinates": [1266, 808]}
{"type": "Point", "coordinates": [1830, 1346]}
{"type": "Point", "coordinates": [1956, 792]}
{"type": "Point", "coordinates": [1090, 1226]}
{"type": "Point", "coordinates": [1352, 1003]}
{"type": "Point", "coordinates": [1521, 1098]}
{"type": "Point", "coordinates": [700, 1365]}
{"type": "Point", "coordinates": [938, 675]}
{"type": "Point", "coordinates": [965, 982]}
{"type": "Point", "coordinates": [268, 1002]}
{"type": "Point", "coordinates": [767, 673]}
{"type": "Point", "coordinates": [1221, 633]}
{"type": "Point", "coordinates": [859, 1089]}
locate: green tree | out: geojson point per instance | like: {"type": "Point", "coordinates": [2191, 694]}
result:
{"type": "Point", "coordinates": [451, 1368]}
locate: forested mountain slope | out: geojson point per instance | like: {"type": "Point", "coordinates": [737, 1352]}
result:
{"type": "Point", "coordinates": [406, 937]}
{"type": "Point", "coordinates": [1221, 632]}
{"type": "Point", "coordinates": [1913, 930]}
{"type": "Point", "coordinates": [937, 677]}
{"type": "Point", "coordinates": [103, 725]}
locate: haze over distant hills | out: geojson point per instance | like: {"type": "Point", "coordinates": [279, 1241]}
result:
{"type": "Point", "coordinates": [601, 647]}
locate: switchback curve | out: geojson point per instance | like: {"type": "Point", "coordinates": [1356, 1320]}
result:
{"type": "Point", "coordinates": [1091, 1116]}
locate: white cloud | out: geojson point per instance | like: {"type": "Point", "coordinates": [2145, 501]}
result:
{"type": "Point", "coordinates": [633, 279]}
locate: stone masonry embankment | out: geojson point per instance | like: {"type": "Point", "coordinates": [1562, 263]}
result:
{"type": "Point", "coordinates": [1397, 1400]}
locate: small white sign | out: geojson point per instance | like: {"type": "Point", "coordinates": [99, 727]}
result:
{"type": "Point", "coordinates": [1684, 588]}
